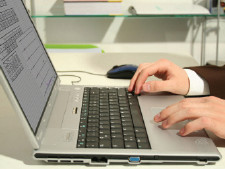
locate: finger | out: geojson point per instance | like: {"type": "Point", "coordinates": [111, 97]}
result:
{"type": "Point", "coordinates": [183, 105]}
{"type": "Point", "coordinates": [157, 86]}
{"type": "Point", "coordinates": [198, 124]}
{"type": "Point", "coordinates": [134, 78]}
{"type": "Point", "coordinates": [182, 115]}
{"type": "Point", "coordinates": [144, 74]}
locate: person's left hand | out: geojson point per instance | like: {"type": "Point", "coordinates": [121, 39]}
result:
{"type": "Point", "coordinates": [205, 112]}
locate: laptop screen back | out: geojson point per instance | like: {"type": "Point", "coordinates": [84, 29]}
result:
{"type": "Point", "coordinates": [24, 61]}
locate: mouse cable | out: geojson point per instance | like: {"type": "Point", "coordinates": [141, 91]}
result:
{"type": "Point", "coordinates": [79, 71]}
{"type": "Point", "coordinates": [79, 78]}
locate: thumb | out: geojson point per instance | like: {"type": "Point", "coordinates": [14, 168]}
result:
{"type": "Point", "coordinates": [157, 86]}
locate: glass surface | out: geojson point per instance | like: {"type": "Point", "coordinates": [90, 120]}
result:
{"type": "Point", "coordinates": [42, 9]}
{"type": "Point", "coordinates": [162, 16]}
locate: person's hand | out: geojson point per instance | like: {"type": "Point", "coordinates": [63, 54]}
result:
{"type": "Point", "coordinates": [174, 78]}
{"type": "Point", "coordinates": [206, 112]}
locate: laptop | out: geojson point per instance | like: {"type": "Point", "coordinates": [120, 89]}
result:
{"type": "Point", "coordinates": [85, 124]}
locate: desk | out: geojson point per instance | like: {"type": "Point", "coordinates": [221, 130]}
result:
{"type": "Point", "coordinates": [15, 149]}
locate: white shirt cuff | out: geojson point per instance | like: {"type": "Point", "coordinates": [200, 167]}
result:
{"type": "Point", "coordinates": [198, 86]}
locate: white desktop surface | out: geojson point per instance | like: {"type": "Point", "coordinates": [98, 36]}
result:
{"type": "Point", "coordinates": [16, 150]}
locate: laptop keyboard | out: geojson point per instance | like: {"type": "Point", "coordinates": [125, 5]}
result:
{"type": "Point", "coordinates": [111, 118]}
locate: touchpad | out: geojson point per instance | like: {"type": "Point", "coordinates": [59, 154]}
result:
{"type": "Point", "coordinates": [177, 126]}
{"type": "Point", "coordinates": [156, 110]}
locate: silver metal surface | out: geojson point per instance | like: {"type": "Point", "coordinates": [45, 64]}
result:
{"type": "Point", "coordinates": [163, 142]}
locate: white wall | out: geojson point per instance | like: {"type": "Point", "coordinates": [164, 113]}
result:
{"type": "Point", "coordinates": [119, 34]}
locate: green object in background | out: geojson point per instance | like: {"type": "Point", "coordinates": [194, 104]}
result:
{"type": "Point", "coordinates": [70, 46]}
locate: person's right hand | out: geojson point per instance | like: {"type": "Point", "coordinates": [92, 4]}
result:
{"type": "Point", "coordinates": [174, 78]}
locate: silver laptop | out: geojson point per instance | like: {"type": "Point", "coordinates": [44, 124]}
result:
{"type": "Point", "coordinates": [81, 124]}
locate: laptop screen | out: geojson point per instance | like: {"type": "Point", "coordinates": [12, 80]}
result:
{"type": "Point", "coordinates": [24, 61]}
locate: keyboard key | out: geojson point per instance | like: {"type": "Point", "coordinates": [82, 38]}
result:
{"type": "Point", "coordinates": [118, 136]}
{"type": "Point", "coordinates": [104, 136]}
{"type": "Point", "coordinates": [141, 135]}
{"type": "Point", "coordinates": [128, 133]}
{"type": "Point", "coordinates": [124, 108]}
{"type": "Point", "coordinates": [114, 110]}
{"type": "Point", "coordinates": [124, 112]}
{"type": "Point", "coordinates": [92, 134]}
{"type": "Point", "coordinates": [81, 144]}
{"type": "Point", "coordinates": [112, 90]}
{"type": "Point", "coordinates": [143, 146]}
{"type": "Point", "coordinates": [139, 130]}
{"type": "Point", "coordinates": [92, 144]}
{"type": "Point", "coordinates": [104, 118]}
{"type": "Point", "coordinates": [126, 116]}
{"type": "Point", "coordinates": [117, 143]}
{"type": "Point", "coordinates": [129, 138]}
{"type": "Point", "coordinates": [115, 121]}
{"type": "Point", "coordinates": [130, 145]}
{"type": "Point", "coordinates": [114, 117]}
{"type": "Point", "coordinates": [121, 92]}
{"type": "Point", "coordinates": [129, 128]}
{"type": "Point", "coordinates": [115, 113]}
{"type": "Point", "coordinates": [106, 122]}
{"type": "Point", "coordinates": [142, 140]}
{"type": "Point", "coordinates": [126, 119]}
{"type": "Point", "coordinates": [127, 124]}
{"type": "Point", "coordinates": [113, 103]}
{"type": "Point", "coordinates": [121, 101]}
{"type": "Point", "coordinates": [114, 107]}
{"type": "Point", "coordinates": [95, 129]}
{"type": "Point", "coordinates": [104, 126]}
{"type": "Point", "coordinates": [91, 120]}
{"type": "Point", "coordinates": [104, 115]}
{"type": "Point", "coordinates": [93, 124]}
{"type": "Point", "coordinates": [92, 139]}
{"type": "Point", "coordinates": [118, 131]}
{"type": "Point", "coordinates": [105, 144]}
{"type": "Point", "coordinates": [116, 126]}
{"type": "Point", "coordinates": [103, 131]}
{"type": "Point", "coordinates": [137, 118]}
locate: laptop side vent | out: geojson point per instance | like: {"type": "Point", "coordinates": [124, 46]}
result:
{"type": "Point", "coordinates": [66, 161]}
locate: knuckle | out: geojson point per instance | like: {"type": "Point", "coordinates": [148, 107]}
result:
{"type": "Point", "coordinates": [190, 111]}
{"type": "Point", "coordinates": [163, 114]}
{"type": "Point", "coordinates": [165, 62]}
{"type": "Point", "coordinates": [184, 104]}
{"type": "Point", "coordinates": [144, 72]}
{"type": "Point", "coordinates": [142, 65]}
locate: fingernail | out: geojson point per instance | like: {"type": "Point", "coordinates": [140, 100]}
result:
{"type": "Point", "coordinates": [182, 131]}
{"type": "Point", "coordinates": [146, 87]}
{"type": "Point", "coordinates": [157, 117]}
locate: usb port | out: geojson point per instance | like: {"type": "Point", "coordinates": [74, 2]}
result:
{"type": "Point", "coordinates": [134, 160]}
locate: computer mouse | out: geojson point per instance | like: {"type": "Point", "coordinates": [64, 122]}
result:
{"type": "Point", "coordinates": [122, 71]}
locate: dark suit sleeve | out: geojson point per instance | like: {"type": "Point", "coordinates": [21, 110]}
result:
{"type": "Point", "coordinates": [215, 76]}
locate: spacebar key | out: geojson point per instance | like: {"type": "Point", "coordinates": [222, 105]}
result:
{"type": "Point", "coordinates": [137, 117]}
